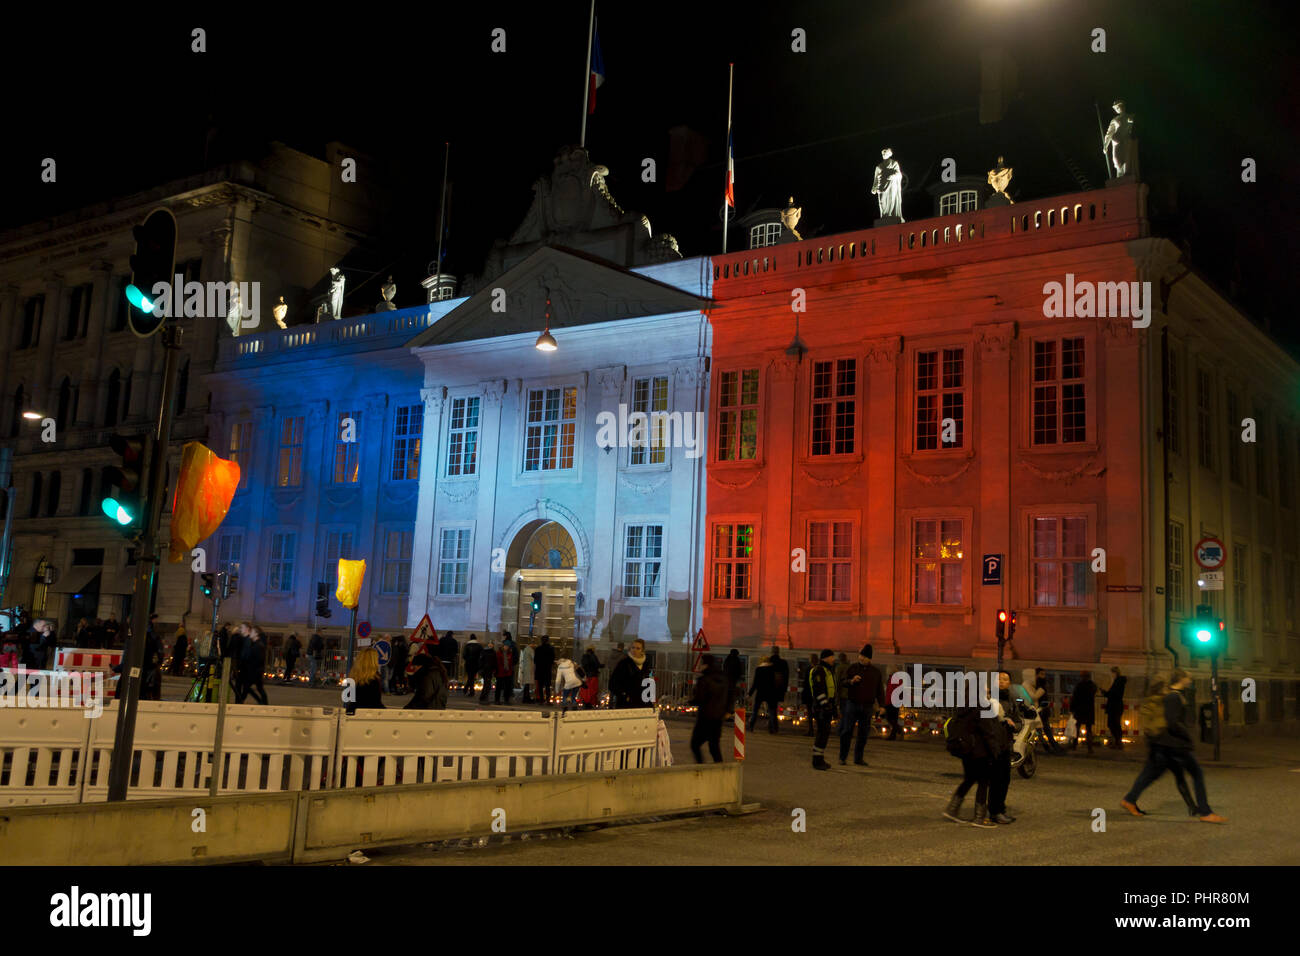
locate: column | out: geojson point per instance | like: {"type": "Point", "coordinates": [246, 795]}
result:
{"type": "Point", "coordinates": [89, 401]}
{"type": "Point", "coordinates": [423, 547]}
{"type": "Point", "coordinates": [319, 432]}
{"type": "Point", "coordinates": [781, 436]}
{"type": "Point", "coordinates": [49, 326]}
{"type": "Point", "coordinates": [485, 584]}
{"type": "Point", "coordinates": [603, 560]}
{"type": "Point", "coordinates": [994, 520]}
{"type": "Point", "coordinates": [374, 421]}
{"type": "Point", "coordinates": [880, 512]}
{"type": "Point", "coordinates": [684, 504]}
{"type": "Point", "coordinates": [251, 573]}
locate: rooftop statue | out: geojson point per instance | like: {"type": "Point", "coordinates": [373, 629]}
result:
{"type": "Point", "coordinates": [1117, 142]}
{"type": "Point", "coordinates": [388, 290]}
{"type": "Point", "coordinates": [337, 280]}
{"type": "Point", "coordinates": [790, 217]}
{"type": "Point", "coordinates": [280, 311]}
{"type": "Point", "coordinates": [888, 187]}
{"type": "Point", "coordinates": [1000, 179]}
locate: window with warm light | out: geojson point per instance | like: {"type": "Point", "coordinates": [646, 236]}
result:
{"type": "Point", "coordinates": [347, 465]}
{"type": "Point", "coordinates": [738, 415]}
{"type": "Point", "coordinates": [241, 446]}
{"type": "Point", "coordinates": [938, 561]}
{"type": "Point", "coordinates": [289, 472]}
{"type": "Point", "coordinates": [408, 426]}
{"type": "Point", "coordinates": [551, 428]}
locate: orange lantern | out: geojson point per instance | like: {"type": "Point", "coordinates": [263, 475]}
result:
{"type": "Point", "coordinates": [203, 493]}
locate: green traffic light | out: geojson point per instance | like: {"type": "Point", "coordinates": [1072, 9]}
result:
{"type": "Point", "coordinates": [1203, 635]}
{"type": "Point", "coordinates": [116, 511]}
{"type": "Point", "coordinates": [138, 299]}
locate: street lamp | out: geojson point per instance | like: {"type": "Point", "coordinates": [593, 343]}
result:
{"type": "Point", "coordinates": [546, 341]}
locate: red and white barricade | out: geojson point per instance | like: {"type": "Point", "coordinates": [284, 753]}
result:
{"type": "Point", "coordinates": [740, 734]}
{"type": "Point", "coordinates": [92, 659]}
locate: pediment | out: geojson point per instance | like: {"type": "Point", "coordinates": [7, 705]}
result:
{"type": "Point", "coordinates": [583, 289]}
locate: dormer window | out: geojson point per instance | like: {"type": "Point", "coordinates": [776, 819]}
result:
{"type": "Point", "coordinates": [960, 200]}
{"type": "Point", "coordinates": [764, 234]}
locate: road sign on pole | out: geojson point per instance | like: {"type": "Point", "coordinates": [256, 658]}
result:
{"type": "Point", "coordinates": [1210, 554]}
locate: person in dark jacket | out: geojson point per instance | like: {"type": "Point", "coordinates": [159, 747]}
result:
{"type": "Point", "coordinates": [1002, 729]}
{"type": "Point", "coordinates": [865, 692]}
{"type": "Point", "coordinates": [590, 664]}
{"type": "Point", "coordinates": [710, 700]}
{"type": "Point", "coordinates": [401, 654]}
{"type": "Point", "coordinates": [367, 689]}
{"type": "Point", "coordinates": [979, 737]}
{"type": "Point", "coordinates": [315, 657]}
{"type": "Point", "coordinates": [473, 657]}
{"type": "Point", "coordinates": [806, 692]}
{"type": "Point", "coordinates": [1045, 711]}
{"type": "Point", "coordinates": [487, 664]}
{"type": "Point", "coordinates": [734, 671]}
{"type": "Point", "coordinates": [252, 664]}
{"type": "Point", "coordinates": [235, 651]}
{"type": "Point", "coordinates": [627, 685]}
{"type": "Point", "coordinates": [292, 651]}
{"type": "Point", "coordinates": [763, 692]}
{"type": "Point", "coordinates": [1175, 743]}
{"type": "Point", "coordinates": [1083, 705]}
{"type": "Point", "coordinates": [430, 684]}
{"type": "Point", "coordinates": [180, 649]}
{"type": "Point", "coordinates": [506, 663]}
{"type": "Point", "coordinates": [1115, 708]}
{"type": "Point", "coordinates": [544, 669]}
{"type": "Point", "coordinates": [821, 689]}
{"type": "Point", "coordinates": [449, 653]}
{"type": "Point", "coordinates": [1158, 761]}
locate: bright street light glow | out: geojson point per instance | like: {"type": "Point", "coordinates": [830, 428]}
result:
{"type": "Point", "coordinates": [32, 416]}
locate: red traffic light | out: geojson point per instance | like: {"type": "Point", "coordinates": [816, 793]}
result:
{"type": "Point", "coordinates": [1002, 616]}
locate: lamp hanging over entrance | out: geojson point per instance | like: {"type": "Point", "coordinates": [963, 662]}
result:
{"type": "Point", "coordinates": [546, 341]}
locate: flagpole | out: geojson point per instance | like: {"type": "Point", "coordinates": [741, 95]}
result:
{"type": "Point", "coordinates": [726, 171]}
{"type": "Point", "coordinates": [586, 76]}
{"type": "Point", "coordinates": [442, 202]}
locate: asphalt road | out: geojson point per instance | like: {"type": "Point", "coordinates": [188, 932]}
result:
{"type": "Point", "coordinates": [889, 812]}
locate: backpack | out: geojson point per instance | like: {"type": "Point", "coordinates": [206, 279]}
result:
{"type": "Point", "coordinates": [957, 738]}
{"type": "Point", "coordinates": [1152, 715]}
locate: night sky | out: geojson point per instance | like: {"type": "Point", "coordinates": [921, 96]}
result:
{"type": "Point", "coordinates": [1209, 83]}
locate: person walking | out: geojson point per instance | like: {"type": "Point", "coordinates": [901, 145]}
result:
{"type": "Point", "coordinates": [449, 653]}
{"type": "Point", "coordinates": [180, 650]}
{"type": "Point", "coordinates": [252, 665]}
{"type": "Point", "coordinates": [1045, 711]}
{"type": "Point", "coordinates": [526, 671]}
{"type": "Point", "coordinates": [568, 682]}
{"type": "Point", "coordinates": [430, 684]}
{"type": "Point", "coordinates": [400, 659]}
{"type": "Point", "coordinates": [764, 692]}
{"type": "Point", "coordinates": [590, 664]}
{"type": "Point", "coordinates": [238, 641]}
{"type": "Point", "coordinates": [292, 651]}
{"type": "Point", "coordinates": [505, 674]}
{"type": "Point", "coordinates": [367, 689]}
{"type": "Point", "coordinates": [865, 692]}
{"type": "Point", "coordinates": [821, 691]}
{"type": "Point", "coordinates": [710, 697]}
{"type": "Point", "coordinates": [734, 671]}
{"type": "Point", "coordinates": [780, 677]}
{"type": "Point", "coordinates": [1002, 728]}
{"type": "Point", "coordinates": [892, 709]}
{"type": "Point", "coordinates": [628, 685]}
{"type": "Point", "coordinates": [1083, 705]}
{"type": "Point", "coordinates": [1115, 708]}
{"type": "Point", "coordinates": [973, 739]}
{"type": "Point", "coordinates": [543, 662]}
{"type": "Point", "coordinates": [315, 657]}
{"type": "Point", "coordinates": [1152, 714]}
{"type": "Point", "coordinates": [473, 657]}
{"type": "Point", "coordinates": [841, 687]}
{"type": "Point", "coordinates": [1175, 746]}
{"type": "Point", "coordinates": [487, 666]}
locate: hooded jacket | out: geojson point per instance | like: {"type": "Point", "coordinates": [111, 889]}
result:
{"type": "Point", "coordinates": [710, 694]}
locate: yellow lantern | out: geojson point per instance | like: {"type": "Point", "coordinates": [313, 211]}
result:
{"type": "Point", "coordinates": [351, 574]}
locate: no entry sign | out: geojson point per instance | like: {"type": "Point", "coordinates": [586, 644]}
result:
{"type": "Point", "coordinates": [1209, 554]}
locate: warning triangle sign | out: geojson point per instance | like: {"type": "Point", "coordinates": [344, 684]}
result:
{"type": "Point", "coordinates": [700, 643]}
{"type": "Point", "coordinates": [424, 640]}
{"type": "Point", "coordinates": [424, 632]}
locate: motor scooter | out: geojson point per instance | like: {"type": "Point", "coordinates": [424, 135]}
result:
{"type": "Point", "coordinates": [1029, 724]}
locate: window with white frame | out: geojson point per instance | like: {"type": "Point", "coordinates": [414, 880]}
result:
{"type": "Point", "coordinates": [1060, 561]}
{"type": "Point", "coordinates": [279, 568]}
{"type": "Point", "coordinates": [347, 468]}
{"type": "Point", "coordinates": [961, 200]}
{"type": "Point", "coordinates": [338, 546]}
{"type": "Point", "coordinates": [764, 234]}
{"type": "Point", "coordinates": [407, 429]}
{"type": "Point", "coordinates": [1174, 585]}
{"type": "Point", "coordinates": [551, 428]}
{"type": "Point", "coordinates": [649, 395]}
{"type": "Point", "coordinates": [834, 405]}
{"type": "Point", "coordinates": [1240, 595]}
{"type": "Point", "coordinates": [831, 562]}
{"type": "Point", "coordinates": [453, 561]}
{"type": "Point", "coordinates": [229, 549]}
{"type": "Point", "coordinates": [643, 554]}
{"type": "Point", "coordinates": [938, 561]}
{"type": "Point", "coordinates": [1059, 400]}
{"type": "Point", "coordinates": [397, 562]}
{"type": "Point", "coordinates": [241, 448]}
{"type": "Point", "coordinates": [289, 472]}
{"type": "Point", "coordinates": [462, 438]}
{"type": "Point", "coordinates": [940, 397]}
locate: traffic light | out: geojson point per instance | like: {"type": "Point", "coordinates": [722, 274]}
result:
{"type": "Point", "coordinates": [1002, 625]}
{"type": "Point", "coordinates": [230, 583]}
{"type": "Point", "coordinates": [1205, 634]}
{"type": "Point", "coordinates": [537, 601]}
{"type": "Point", "coordinates": [1011, 625]}
{"type": "Point", "coordinates": [124, 484]}
{"type": "Point", "coordinates": [323, 599]}
{"type": "Point", "coordinates": [155, 256]}
{"type": "Point", "coordinates": [207, 584]}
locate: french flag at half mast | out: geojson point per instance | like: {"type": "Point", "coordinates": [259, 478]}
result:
{"type": "Point", "coordinates": [731, 172]}
{"type": "Point", "coordinates": [597, 70]}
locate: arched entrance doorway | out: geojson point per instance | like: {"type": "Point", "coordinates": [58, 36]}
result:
{"type": "Point", "coordinates": [541, 558]}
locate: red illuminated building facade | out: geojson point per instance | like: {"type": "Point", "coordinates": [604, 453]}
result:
{"type": "Point", "coordinates": [922, 412]}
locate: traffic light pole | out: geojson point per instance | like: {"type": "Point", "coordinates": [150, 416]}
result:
{"type": "Point", "coordinates": [119, 773]}
{"type": "Point", "coordinates": [352, 639]}
{"type": "Point", "coordinates": [1214, 699]}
